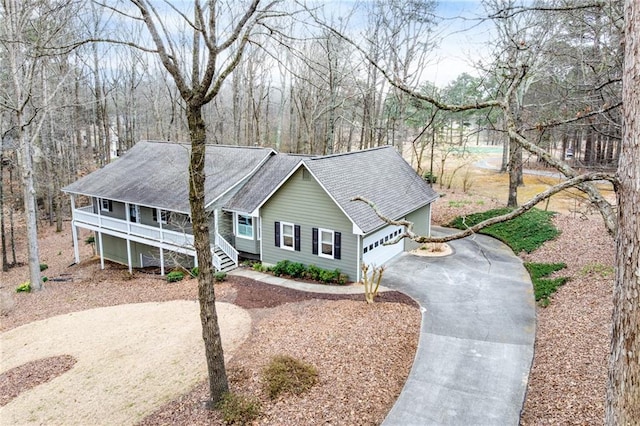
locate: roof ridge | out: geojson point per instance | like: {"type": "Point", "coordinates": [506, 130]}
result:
{"type": "Point", "coordinates": [207, 144]}
{"type": "Point", "coordinates": [360, 151]}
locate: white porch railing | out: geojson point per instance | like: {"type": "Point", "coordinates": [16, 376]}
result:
{"type": "Point", "coordinates": [227, 248]}
{"type": "Point", "coordinates": [158, 235]}
{"type": "Point", "coordinates": [180, 239]}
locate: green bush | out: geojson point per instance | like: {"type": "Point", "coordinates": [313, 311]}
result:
{"type": "Point", "coordinates": [429, 177]}
{"type": "Point", "coordinates": [25, 287]}
{"type": "Point", "coordinates": [43, 267]}
{"type": "Point", "coordinates": [219, 276]}
{"type": "Point", "coordinates": [238, 409]}
{"type": "Point", "coordinates": [90, 239]}
{"type": "Point", "coordinates": [45, 279]}
{"type": "Point", "coordinates": [259, 267]}
{"type": "Point", "coordinates": [327, 276]}
{"type": "Point", "coordinates": [313, 272]}
{"type": "Point", "coordinates": [545, 287]}
{"type": "Point", "coordinates": [526, 232]}
{"type": "Point", "coordinates": [295, 269]}
{"type": "Point", "coordinates": [280, 268]}
{"type": "Point", "coordinates": [287, 374]}
{"type": "Point", "coordinates": [195, 271]}
{"type": "Point", "coordinates": [174, 276]}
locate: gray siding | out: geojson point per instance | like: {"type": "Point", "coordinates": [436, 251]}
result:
{"type": "Point", "coordinates": [421, 219]}
{"type": "Point", "coordinates": [305, 203]}
{"type": "Point", "coordinates": [117, 209]}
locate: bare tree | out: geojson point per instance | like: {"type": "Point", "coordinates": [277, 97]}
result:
{"type": "Point", "coordinates": [29, 37]}
{"type": "Point", "coordinates": [221, 32]}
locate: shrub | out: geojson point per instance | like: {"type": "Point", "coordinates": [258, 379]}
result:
{"type": "Point", "coordinates": [174, 276]}
{"type": "Point", "coordinates": [90, 239]}
{"type": "Point", "coordinates": [259, 267]}
{"type": "Point", "coordinates": [429, 177]}
{"type": "Point", "coordinates": [295, 269]}
{"type": "Point", "coordinates": [25, 287]}
{"type": "Point", "coordinates": [545, 287]}
{"type": "Point", "coordinates": [327, 276]}
{"type": "Point", "coordinates": [43, 267]}
{"type": "Point", "coordinates": [45, 279]}
{"type": "Point", "coordinates": [313, 272]}
{"type": "Point", "coordinates": [287, 374]}
{"type": "Point", "coordinates": [280, 268]}
{"type": "Point", "coordinates": [238, 408]}
{"type": "Point", "coordinates": [219, 276]}
{"type": "Point", "coordinates": [526, 232]}
{"type": "Point", "coordinates": [195, 271]}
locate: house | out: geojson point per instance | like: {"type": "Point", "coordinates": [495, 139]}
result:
{"type": "Point", "coordinates": [263, 205]}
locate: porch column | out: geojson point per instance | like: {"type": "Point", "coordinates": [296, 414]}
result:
{"type": "Point", "coordinates": [161, 261]}
{"type": "Point", "coordinates": [74, 230]}
{"type": "Point", "coordinates": [195, 260]}
{"type": "Point", "coordinates": [101, 250]}
{"type": "Point", "coordinates": [129, 255]}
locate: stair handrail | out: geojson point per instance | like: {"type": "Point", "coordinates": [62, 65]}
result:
{"type": "Point", "coordinates": [227, 248]}
{"type": "Point", "coordinates": [217, 262]}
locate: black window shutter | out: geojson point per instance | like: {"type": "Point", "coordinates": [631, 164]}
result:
{"type": "Point", "coordinates": [277, 234]}
{"type": "Point", "coordinates": [337, 240]}
{"type": "Point", "coordinates": [296, 229]}
{"type": "Point", "coordinates": [155, 215]}
{"type": "Point", "coordinates": [314, 243]}
{"type": "Point", "coordinates": [110, 206]}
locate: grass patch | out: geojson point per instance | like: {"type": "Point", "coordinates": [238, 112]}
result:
{"type": "Point", "coordinates": [238, 409]}
{"type": "Point", "coordinates": [599, 269]}
{"type": "Point", "coordinates": [458, 204]}
{"type": "Point", "coordinates": [285, 374]}
{"type": "Point", "coordinates": [545, 287]}
{"type": "Point", "coordinates": [526, 232]}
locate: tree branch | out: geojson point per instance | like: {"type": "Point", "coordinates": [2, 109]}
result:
{"type": "Point", "coordinates": [569, 183]}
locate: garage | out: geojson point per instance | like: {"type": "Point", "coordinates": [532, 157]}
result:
{"type": "Point", "coordinates": [375, 252]}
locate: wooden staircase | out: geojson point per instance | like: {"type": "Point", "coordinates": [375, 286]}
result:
{"type": "Point", "coordinates": [227, 264]}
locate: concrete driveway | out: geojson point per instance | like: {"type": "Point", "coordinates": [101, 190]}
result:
{"type": "Point", "coordinates": [477, 337]}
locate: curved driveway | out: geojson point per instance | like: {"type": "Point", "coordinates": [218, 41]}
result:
{"type": "Point", "coordinates": [476, 342]}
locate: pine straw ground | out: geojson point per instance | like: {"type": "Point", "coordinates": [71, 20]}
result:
{"type": "Point", "coordinates": [362, 364]}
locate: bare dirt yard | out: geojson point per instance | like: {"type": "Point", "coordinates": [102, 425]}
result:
{"type": "Point", "coordinates": [363, 352]}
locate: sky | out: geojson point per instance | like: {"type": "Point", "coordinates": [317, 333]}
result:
{"type": "Point", "coordinates": [465, 41]}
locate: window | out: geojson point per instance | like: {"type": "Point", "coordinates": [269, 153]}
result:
{"type": "Point", "coordinates": [326, 243]}
{"type": "Point", "coordinates": [134, 213]}
{"type": "Point", "coordinates": [244, 226]}
{"type": "Point", "coordinates": [160, 216]}
{"type": "Point", "coordinates": [105, 205]}
{"type": "Point", "coordinates": [287, 236]}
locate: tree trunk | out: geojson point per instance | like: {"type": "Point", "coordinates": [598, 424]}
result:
{"type": "Point", "coordinates": [5, 260]}
{"type": "Point", "coordinates": [218, 383]}
{"type": "Point", "coordinates": [515, 173]}
{"type": "Point", "coordinates": [623, 392]}
{"type": "Point", "coordinates": [30, 211]}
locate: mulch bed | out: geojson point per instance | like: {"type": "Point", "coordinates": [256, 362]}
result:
{"type": "Point", "coordinates": [250, 294]}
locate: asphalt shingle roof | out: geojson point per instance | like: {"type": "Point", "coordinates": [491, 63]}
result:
{"type": "Point", "coordinates": [155, 174]}
{"type": "Point", "coordinates": [261, 184]}
{"type": "Point", "coordinates": [380, 175]}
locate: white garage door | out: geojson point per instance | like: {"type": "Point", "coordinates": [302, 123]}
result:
{"type": "Point", "coordinates": [374, 249]}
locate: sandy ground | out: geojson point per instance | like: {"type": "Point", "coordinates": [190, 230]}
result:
{"type": "Point", "coordinates": [130, 359]}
